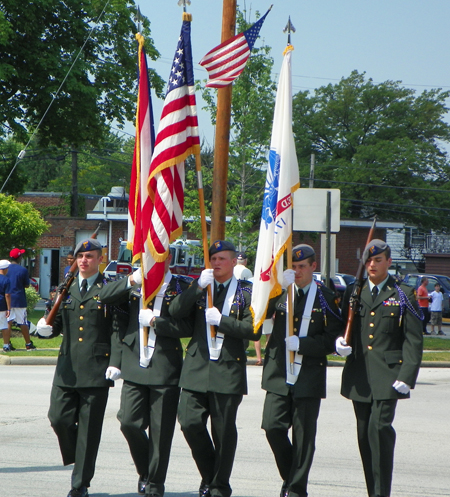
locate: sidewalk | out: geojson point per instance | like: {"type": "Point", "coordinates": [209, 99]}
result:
{"type": "Point", "coordinates": [51, 360]}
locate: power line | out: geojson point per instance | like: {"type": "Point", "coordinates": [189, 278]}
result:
{"type": "Point", "coordinates": [22, 152]}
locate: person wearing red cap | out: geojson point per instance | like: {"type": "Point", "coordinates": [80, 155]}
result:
{"type": "Point", "coordinates": [19, 280]}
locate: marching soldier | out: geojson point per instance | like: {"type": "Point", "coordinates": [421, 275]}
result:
{"type": "Point", "coordinates": [293, 397]}
{"type": "Point", "coordinates": [150, 392]}
{"type": "Point", "coordinates": [80, 389]}
{"type": "Point", "coordinates": [213, 378]}
{"type": "Point", "coordinates": [382, 363]}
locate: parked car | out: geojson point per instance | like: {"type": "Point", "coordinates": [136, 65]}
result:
{"type": "Point", "coordinates": [414, 280]}
{"type": "Point", "coordinates": [339, 285]}
{"type": "Point", "coordinates": [110, 271]}
{"type": "Point", "coordinates": [346, 279]}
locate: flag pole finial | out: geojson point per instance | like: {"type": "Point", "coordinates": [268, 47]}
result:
{"type": "Point", "coordinates": [186, 16]}
{"type": "Point", "coordinates": [138, 19]}
{"type": "Point", "coordinates": [289, 29]}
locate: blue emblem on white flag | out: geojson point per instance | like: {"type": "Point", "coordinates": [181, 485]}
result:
{"type": "Point", "coordinates": [269, 210]}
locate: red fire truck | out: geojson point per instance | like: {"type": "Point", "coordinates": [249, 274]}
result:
{"type": "Point", "coordinates": [186, 259]}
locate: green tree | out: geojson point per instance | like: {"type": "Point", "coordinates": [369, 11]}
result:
{"type": "Point", "coordinates": [99, 168]}
{"type": "Point", "coordinates": [381, 145]}
{"type": "Point", "coordinates": [40, 41]}
{"type": "Point", "coordinates": [252, 107]}
{"type": "Point", "coordinates": [14, 182]}
{"type": "Point", "coordinates": [20, 225]}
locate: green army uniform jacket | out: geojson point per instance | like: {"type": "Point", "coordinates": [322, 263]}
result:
{"type": "Point", "coordinates": [85, 323]}
{"type": "Point", "coordinates": [165, 367]}
{"type": "Point", "coordinates": [387, 344]}
{"type": "Point", "coordinates": [325, 326]}
{"type": "Point", "coordinates": [228, 374]}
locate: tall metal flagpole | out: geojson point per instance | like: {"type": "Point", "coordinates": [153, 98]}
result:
{"type": "Point", "coordinates": [222, 139]}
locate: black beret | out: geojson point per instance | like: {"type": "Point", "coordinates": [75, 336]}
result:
{"type": "Point", "coordinates": [375, 247]}
{"type": "Point", "coordinates": [220, 246]}
{"type": "Point", "coordinates": [87, 245]}
{"type": "Point", "coordinates": [302, 252]}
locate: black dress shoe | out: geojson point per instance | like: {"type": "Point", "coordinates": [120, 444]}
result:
{"type": "Point", "coordinates": [78, 492]}
{"type": "Point", "coordinates": [141, 484]}
{"type": "Point", "coordinates": [203, 491]}
{"type": "Point", "coordinates": [284, 489]}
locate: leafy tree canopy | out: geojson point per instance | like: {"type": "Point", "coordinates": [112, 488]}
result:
{"type": "Point", "coordinates": [20, 225]}
{"type": "Point", "coordinates": [381, 145]}
{"type": "Point", "coordinates": [39, 43]}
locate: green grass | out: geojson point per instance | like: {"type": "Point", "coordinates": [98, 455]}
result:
{"type": "Point", "coordinates": [19, 342]}
{"type": "Point", "coordinates": [429, 343]}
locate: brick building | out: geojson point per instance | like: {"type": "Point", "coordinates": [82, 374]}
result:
{"type": "Point", "coordinates": [65, 231]}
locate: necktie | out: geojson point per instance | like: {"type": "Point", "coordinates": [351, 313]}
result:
{"type": "Point", "coordinates": [300, 295]}
{"type": "Point", "coordinates": [374, 293]}
{"type": "Point", "coordinates": [83, 288]}
{"type": "Point", "coordinates": [219, 290]}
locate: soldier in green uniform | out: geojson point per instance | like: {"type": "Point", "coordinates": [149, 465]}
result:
{"type": "Point", "coordinates": [150, 391]}
{"type": "Point", "coordinates": [293, 397]}
{"type": "Point", "coordinates": [213, 378]}
{"type": "Point", "coordinates": [383, 362]}
{"type": "Point", "coordinates": [80, 389]}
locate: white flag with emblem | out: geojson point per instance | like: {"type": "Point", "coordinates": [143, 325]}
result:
{"type": "Point", "coordinates": [281, 182]}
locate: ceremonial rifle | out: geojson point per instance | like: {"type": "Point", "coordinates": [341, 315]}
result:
{"type": "Point", "coordinates": [355, 298]}
{"type": "Point", "coordinates": [64, 287]}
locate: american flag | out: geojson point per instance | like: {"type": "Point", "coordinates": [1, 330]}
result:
{"type": "Point", "coordinates": [139, 205]}
{"type": "Point", "coordinates": [225, 62]}
{"type": "Point", "coordinates": [176, 139]}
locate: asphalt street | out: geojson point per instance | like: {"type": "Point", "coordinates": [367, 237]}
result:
{"type": "Point", "coordinates": [30, 463]}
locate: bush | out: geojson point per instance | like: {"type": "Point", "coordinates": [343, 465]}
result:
{"type": "Point", "coordinates": [32, 298]}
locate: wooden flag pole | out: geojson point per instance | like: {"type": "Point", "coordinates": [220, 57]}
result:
{"type": "Point", "coordinates": [222, 139]}
{"type": "Point", "coordinates": [201, 199]}
{"type": "Point", "coordinates": [290, 306]}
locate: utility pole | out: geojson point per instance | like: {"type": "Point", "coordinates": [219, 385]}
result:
{"type": "Point", "coordinates": [222, 139]}
{"type": "Point", "coordinates": [74, 203]}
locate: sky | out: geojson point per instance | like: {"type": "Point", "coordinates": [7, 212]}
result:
{"type": "Point", "coordinates": [398, 40]}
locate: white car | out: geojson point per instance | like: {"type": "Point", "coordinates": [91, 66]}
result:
{"type": "Point", "coordinates": [110, 271]}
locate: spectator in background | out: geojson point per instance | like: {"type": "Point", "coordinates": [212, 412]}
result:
{"type": "Point", "coordinates": [424, 302]}
{"type": "Point", "coordinates": [19, 280]}
{"type": "Point", "coordinates": [5, 303]}
{"type": "Point", "coordinates": [70, 260]}
{"type": "Point", "coordinates": [437, 302]}
{"type": "Point", "coordinates": [241, 271]}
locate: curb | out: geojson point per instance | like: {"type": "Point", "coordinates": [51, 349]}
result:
{"type": "Point", "coordinates": [28, 361]}
{"type": "Point", "coordinates": [51, 361]}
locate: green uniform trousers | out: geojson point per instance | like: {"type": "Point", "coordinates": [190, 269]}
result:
{"type": "Point", "coordinates": [376, 441]}
{"type": "Point", "coordinates": [214, 458]}
{"type": "Point", "coordinates": [293, 459]}
{"type": "Point", "coordinates": [76, 416]}
{"type": "Point", "coordinates": [154, 408]}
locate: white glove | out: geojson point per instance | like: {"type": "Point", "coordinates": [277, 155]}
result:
{"type": "Point", "coordinates": [342, 348]}
{"type": "Point", "coordinates": [137, 276]}
{"type": "Point", "coordinates": [213, 316]}
{"type": "Point", "coordinates": [288, 278]}
{"type": "Point", "coordinates": [112, 373]}
{"type": "Point", "coordinates": [206, 278]}
{"type": "Point", "coordinates": [292, 343]}
{"type": "Point", "coordinates": [401, 387]}
{"type": "Point", "coordinates": [43, 329]}
{"type": "Point", "coordinates": [145, 317]}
